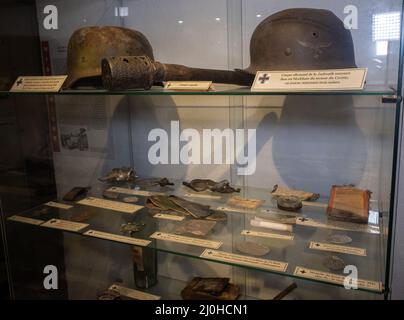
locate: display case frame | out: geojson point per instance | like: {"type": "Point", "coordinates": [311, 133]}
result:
{"type": "Point", "coordinates": [239, 100]}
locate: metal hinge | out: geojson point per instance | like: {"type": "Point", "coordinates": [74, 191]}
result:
{"type": "Point", "coordinates": [392, 99]}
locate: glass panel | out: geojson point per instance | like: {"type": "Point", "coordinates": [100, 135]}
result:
{"type": "Point", "coordinates": [221, 90]}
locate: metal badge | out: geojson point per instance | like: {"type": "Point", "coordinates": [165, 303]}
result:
{"type": "Point", "coordinates": [334, 263]}
{"type": "Point", "coordinates": [252, 248]}
{"type": "Point", "coordinates": [339, 239]}
{"type": "Point", "coordinates": [132, 227]}
{"type": "Point", "coordinates": [289, 203]}
{"type": "Point", "coordinates": [130, 199]}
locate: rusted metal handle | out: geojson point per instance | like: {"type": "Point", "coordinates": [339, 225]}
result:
{"type": "Point", "coordinates": [140, 72]}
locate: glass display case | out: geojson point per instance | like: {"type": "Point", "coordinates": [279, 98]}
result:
{"type": "Point", "coordinates": [119, 187]}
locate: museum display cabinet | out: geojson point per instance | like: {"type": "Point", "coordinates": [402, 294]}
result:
{"type": "Point", "coordinates": [117, 186]}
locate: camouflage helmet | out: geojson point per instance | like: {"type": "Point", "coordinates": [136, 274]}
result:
{"type": "Point", "coordinates": [89, 45]}
{"type": "Point", "coordinates": [301, 39]}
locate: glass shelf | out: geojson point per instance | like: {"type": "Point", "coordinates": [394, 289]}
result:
{"type": "Point", "coordinates": [295, 252]}
{"type": "Point", "coordinates": [220, 90]}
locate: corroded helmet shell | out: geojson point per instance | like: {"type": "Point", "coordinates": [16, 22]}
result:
{"type": "Point", "coordinates": [89, 45]}
{"type": "Point", "coordinates": [301, 39]}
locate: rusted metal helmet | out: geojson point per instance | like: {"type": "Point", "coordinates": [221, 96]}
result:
{"type": "Point", "coordinates": [89, 45]}
{"type": "Point", "coordinates": [301, 39]}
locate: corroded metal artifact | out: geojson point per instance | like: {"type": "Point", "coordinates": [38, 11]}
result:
{"type": "Point", "coordinates": [339, 239]}
{"type": "Point", "coordinates": [210, 289]}
{"type": "Point", "coordinates": [89, 45]}
{"type": "Point", "coordinates": [178, 205]}
{"type": "Point", "coordinates": [334, 263]}
{"type": "Point", "coordinates": [302, 195]}
{"type": "Point", "coordinates": [349, 204]}
{"type": "Point", "coordinates": [132, 227]}
{"type": "Point", "coordinates": [289, 203]}
{"type": "Point", "coordinates": [252, 248]}
{"type": "Point", "coordinates": [200, 185]}
{"type": "Point", "coordinates": [123, 174]}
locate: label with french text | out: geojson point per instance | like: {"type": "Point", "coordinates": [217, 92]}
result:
{"type": "Point", "coordinates": [134, 192]}
{"type": "Point", "coordinates": [315, 204]}
{"type": "Point", "coordinates": [336, 279]}
{"type": "Point", "coordinates": [202, 196]}
{"type": "Point", "coordinates": [270, 235]}
{"type": "Point", "coordinates": [338, 225]}
{"type": "Point", "coordinates": [38, 84]}
{"type": "Point", "coordinates": [110, 205]}
{"type": "Point", "coordinates": [248, 261]}
{"type": "Point", "coordinates": [65, 225]}
{"type": "Point", "coordinates": [27, 220]}
{"type": "Point", "coordinates": [310, 80]}
{"type": "Point", "coordinates": [239, 210]}
{"type": "Point", "coordinates": [168, 217]}
{"type": "Point", "coordinates": [189, 85]}
{"type": "Point", "coordinates": [186, 240]}
{"type": "Point", "coordinates": [58, 205]}
{"type": "Point", "coordinates": [117, 238]}
{"type": "Point", "coordinates": [337, 248]}
{"type": "Point", "coordinates": [133, 294]}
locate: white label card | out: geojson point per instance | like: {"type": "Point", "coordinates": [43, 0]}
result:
{"type": "Point", "coordinates": [117, 238]}
{"type": "Point", "coordinates": [251, 233]}
{"type": "Point", "coordinates": [133, 294]}
{"type": "Point", "coordinates": [310, 80]}
{"type": "Point", "coordinates": [58, 205]}
{"type": "Point", "coordinates": [38, 84]}
{"type": "Point", "coordinates": [338, 225]}
{"type": "Point", "coordinates": [202, 196]}
{"type": "Point", "coordinates": [168, 217]}
{"type": "Point", "coordinates": [65, 225]}
{"type": "Point", "coordinates": [337, 248]}
{"type": "Point", "coordinates": [110, 205]}
{"type": "Point", "coordinates": [18, 218]}
{"type": "Point", "coordinates": [134, 192]}
{"type": "Point", "coordinates": [189, 85]}
{"type": "Point", "coordinates": [245, 260]}
{"type": "Point", "coordinates": [239, 210]}
{"type": "Point", "coordinates": [186, 240]}
{"type": "Point", "coordinates": [336, 279]}
{"type": "Point", "coordinates": [315, 204]}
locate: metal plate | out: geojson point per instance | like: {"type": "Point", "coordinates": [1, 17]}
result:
{"type": "Point", "coordinates": [252, 248]}
{"type": "Point", "coordinates": [334, 263]}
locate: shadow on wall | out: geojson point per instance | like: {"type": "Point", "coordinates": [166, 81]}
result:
{"type": "Point", "coordinates": [317, 143]}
